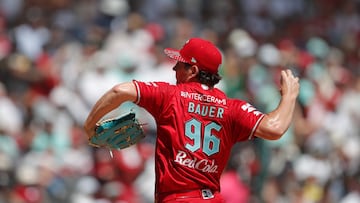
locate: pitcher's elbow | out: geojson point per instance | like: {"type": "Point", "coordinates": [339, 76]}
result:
{"type": "Point", "coordinates": [276, 133]}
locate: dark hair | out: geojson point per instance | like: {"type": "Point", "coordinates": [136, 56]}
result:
{"type": "Point", "coordinates": [208, 79]}
{"type": "Point", "coordinates": [204, 77]}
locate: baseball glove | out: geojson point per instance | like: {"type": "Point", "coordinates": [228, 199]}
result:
{"type": "Point", "coordinates": [117, 133]}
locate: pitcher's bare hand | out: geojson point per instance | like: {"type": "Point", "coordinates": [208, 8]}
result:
{"type": "Point", "coordinates": [289, 84]}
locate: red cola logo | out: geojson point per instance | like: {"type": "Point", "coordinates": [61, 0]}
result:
{"type": "Point", "coordinates": [204, 165]}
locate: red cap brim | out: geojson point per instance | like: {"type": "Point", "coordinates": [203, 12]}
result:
{"type": "Point", "coordinates": [174, 54]}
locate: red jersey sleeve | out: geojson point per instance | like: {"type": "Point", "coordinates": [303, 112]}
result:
{"type": "Point", "coordinates": [153, 95]}
{"type": "Point", "coordinates": [245, 119]}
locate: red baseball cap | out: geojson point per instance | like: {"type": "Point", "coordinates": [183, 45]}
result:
{"type": "Point", "coordinates": [197, 51]}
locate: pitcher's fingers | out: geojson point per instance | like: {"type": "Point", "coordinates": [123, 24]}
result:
{"type": "Point", "coordinates": [284, 74]}
{"type": "Point", "coordinates": [290, 73]}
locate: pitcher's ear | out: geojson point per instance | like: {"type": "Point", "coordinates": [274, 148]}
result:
{"type": "Point", "coordinates": [195, 69]}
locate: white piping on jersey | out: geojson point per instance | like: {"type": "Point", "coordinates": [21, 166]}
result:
{"type": "Point", "coordinates": [255, 126]}
{"type": "Point", "coordinates": [138, 92]}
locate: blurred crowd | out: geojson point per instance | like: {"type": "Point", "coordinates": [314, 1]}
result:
{"type": "Point", "coordinates": [58, 57]}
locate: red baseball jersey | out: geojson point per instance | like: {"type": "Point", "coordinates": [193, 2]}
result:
{"type": "Point", "coordinates": [196, 128]}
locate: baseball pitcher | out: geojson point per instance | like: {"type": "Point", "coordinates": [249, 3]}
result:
{"type": "Point", "coordinates": [197, 124]}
